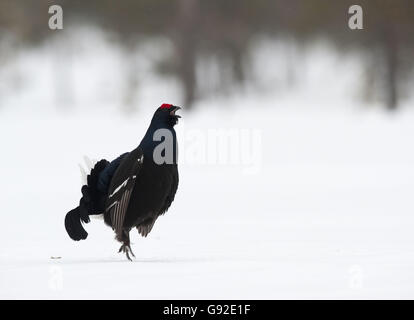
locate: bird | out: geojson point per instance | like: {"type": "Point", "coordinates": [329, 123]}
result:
{"type": "Point", "coordinates": [136, 188]}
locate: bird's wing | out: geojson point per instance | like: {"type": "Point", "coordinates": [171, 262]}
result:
{"type": "Point", "coordinates": [119, 204]}
{"type": "Point", "coordinates": [122, 185]}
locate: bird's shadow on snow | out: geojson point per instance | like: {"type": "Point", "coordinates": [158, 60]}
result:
{"type": "Point", "coordinates": [140, 260]}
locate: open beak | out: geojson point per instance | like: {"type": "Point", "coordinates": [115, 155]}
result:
{"type": "Point", "coordinates": [174, 110]}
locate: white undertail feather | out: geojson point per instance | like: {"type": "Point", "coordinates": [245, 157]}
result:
{"type": "Point", "coordinates": [86, 169]}
{"type": "Point", "coordinates": [97, 216]}
{"type": "Point", "coordinates": [83, 174]}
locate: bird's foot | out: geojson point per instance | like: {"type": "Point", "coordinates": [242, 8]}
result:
{"type": "Point", "coordinates": [126, 248]}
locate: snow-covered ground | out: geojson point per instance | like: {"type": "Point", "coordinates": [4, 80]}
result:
{"type": "Point", "coordinates": [327, 214]}
{"type": "Point", "coordinates": [320, 205]}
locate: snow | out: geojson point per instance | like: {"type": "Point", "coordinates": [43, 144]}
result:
{"type": "Point", "coordinates": [320, 208]}
{"type": "Point", "coordinates": [327, 215]}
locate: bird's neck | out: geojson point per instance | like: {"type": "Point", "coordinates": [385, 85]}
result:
{"type": "Point", "coordinates": [156, 134]}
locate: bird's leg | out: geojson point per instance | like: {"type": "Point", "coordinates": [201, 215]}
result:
{"type": "Point", "coordinates": [126, 246]}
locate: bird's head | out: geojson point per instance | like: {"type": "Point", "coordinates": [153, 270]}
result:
{"type": "Point", "coordinates": [165, 115]}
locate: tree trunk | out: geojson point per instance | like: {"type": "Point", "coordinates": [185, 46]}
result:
{"type": "Point", "coordinates": [391, 72]}
{"type": "Point", "coordinates": [186, 48]}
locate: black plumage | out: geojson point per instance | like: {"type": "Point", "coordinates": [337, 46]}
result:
{"type": "Point", "coordinates": [141, 188]}
{"type": "Point", "coordinates": [92, 202]}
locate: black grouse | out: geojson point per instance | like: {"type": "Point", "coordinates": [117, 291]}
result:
{"type": "Point", "coordinates": [134, 189]}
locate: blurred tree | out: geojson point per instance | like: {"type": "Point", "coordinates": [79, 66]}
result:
{"type": "Point", "coordinates": [226, 29]}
